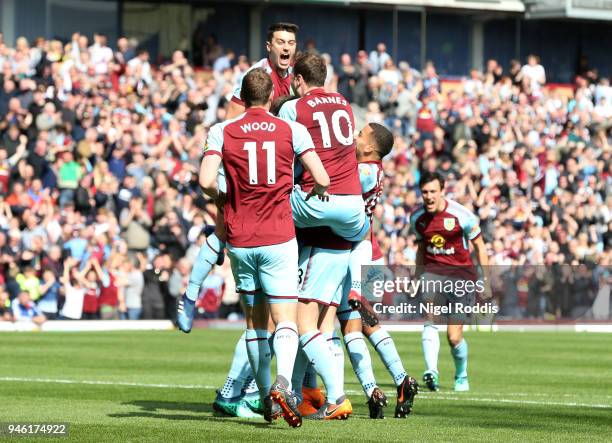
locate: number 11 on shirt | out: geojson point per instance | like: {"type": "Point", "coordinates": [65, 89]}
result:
{"type": "Point", "coordinates": [269, 147]}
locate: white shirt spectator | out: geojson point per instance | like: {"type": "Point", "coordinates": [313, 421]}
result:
{"type": "Point", "coordinates": [143, 66]}
{"type": "Point", "coordinates": [100, 56]}
{"type": "Point", "coordinates": [73, 306]}
{"type": "Point", "coordinates": [378, 58]}
{"type": "Point", "coordinates": [536, 75]}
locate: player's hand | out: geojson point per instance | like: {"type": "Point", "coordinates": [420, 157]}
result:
{"type": "Point", "coordinates": [320, 193]}
{"type": "Point", "coordinates": [355, 304]}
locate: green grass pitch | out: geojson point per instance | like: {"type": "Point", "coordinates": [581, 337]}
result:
{"type": "Point", "coordinates": [159, 386]}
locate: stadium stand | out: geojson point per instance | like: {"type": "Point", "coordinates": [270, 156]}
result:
{"type": "Point", "coordinates": [101, 215]}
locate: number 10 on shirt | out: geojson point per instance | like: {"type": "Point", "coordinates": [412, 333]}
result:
{"type": "Point", "coordinates": [269, 147]}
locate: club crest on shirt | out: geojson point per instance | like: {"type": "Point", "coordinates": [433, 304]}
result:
{"type": "Point", "coordinates": [449, 224]}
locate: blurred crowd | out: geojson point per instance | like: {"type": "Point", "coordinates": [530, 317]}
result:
{"type": "Point", "coordinates": [101, 215]}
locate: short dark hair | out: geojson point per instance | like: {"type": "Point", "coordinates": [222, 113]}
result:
{"type": "Point", "coordinates": [428, 177]}
{"type": "Point", "coordinates": [256, 87]}
{"type": "Point", "coordinates": [312, 68]}
{"type": "Point", "coordinates": [282, 26]}
{"type": "Point", "coordinates": [383, 138]}
{"type": "Point", "coordinates": [279, 102]}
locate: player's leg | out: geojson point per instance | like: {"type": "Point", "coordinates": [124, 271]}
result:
{"type": "Point", "coordinates": [260, 354]}
{"type": "Point", "coordinates": [327, 318]}
{"type": "Point", "coordinates": [361, 254]}
{"type": "Point", "coordinates": [359, 355]}
{"type": "Point", "coordinates": [250, 390]}
{"type": "Point", "coordinates": [384, 345]}
{"type": "Point", "coordinates": [459, 351]}
{"type": "Point", "coordinates": [304, 379]}
{"type": "Point", "coordinates": [344, 214]}
{"type": "Point", "coordinates": [210, 254]}
{"type": "Point", "coordinates": [230, 400]}
{"type": "Point", "coordinates": [258, 346]}
{"type": "Point", "coordinates": [407, 387]}
{"type": "Point", "coordinates": [239, 375]}
{"type": "Point", "coordinates": [244, 269]}
{"type": "Point", "coordinates": [278, 276]}
{"type": "Point", "coordinates": [458, 345]}
{"type": "Point", "coordinates": [323, 271]}
{"type": "Point", "coordinates": [318, 352]}
{"type": "Point", "coordinates": [430, 338]}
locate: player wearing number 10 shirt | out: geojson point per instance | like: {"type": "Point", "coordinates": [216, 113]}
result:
{"type": "Point", "coordinates": [258, 151]}
{"type": "Point", "coordinates": [324, 259]}
{"type": "Point", "coordinates": [329, 119]}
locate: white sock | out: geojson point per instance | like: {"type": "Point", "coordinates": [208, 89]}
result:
{"type": "Point", "coordinates": [431, 347]}
{"type": "Point", "coordinates": [286, 341]}
{"type": "Point", "coordinates": [335, 346]}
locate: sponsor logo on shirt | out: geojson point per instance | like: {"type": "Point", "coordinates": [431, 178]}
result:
{"type": "Point", "coordinates": [437, 243]}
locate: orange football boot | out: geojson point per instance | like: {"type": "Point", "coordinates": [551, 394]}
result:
{"type": "Point", "coordinates": [333, 412]}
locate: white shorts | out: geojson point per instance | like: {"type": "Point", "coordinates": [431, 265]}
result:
{"type": "Point", "coordinates": [269, 270]}
{"type": "Point", "coordinates": [321, 274]}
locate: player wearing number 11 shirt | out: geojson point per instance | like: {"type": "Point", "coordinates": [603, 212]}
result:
{"type": "Point", "coordinates": [257, 151]}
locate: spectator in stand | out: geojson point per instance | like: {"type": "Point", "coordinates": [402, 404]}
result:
{"type": "Point", "coordinates": [29, 282]}
{"type": "Point", "coordinates": [136, 224]}
{"type": "Point", "coordinates": [378, 58]}
{"type": "Point", "coordinates": [139, 67]}
{"type": "Point", "coordinates": [74, 288]}
{"type": "Point", "coordinates": [430, 78]}
{"type": "Point", "coordinates": [5, 305]}
{"type": "Point", "coordinates": [179, 278]}
{"type": "Point", "coordinates": [533, 74]}
{"type": "Point", "coordinates": [130, 279]}
{"type": "Point", "coordinates": [24, 310]}
{"type": "Point", "coordinates": [347, 75]}
{"type": "Point", "coordinates": [212, 293]}
{"type": "Point", "coordinates": [224, 62]}
{"type": "Point", "coordinates": [494, 72]}
{"type": "Point", "coordinates": [68, 179]}
{"type": "Point", "coordinates": [50, 290]}
{"type": "Point", "coordinates": [100, 54]}
{"type": "Point", "coordinates": [362, 72]}
{"type": "Point", "coordinates": [212, 50]}
{"type": "Point", "coordinates": [94, 279]}
{"type": "Point", "coordinates": [155, 295]}
{"type": "Point", "coordinates": [534, 163]}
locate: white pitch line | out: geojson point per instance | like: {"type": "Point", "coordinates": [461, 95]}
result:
{"type": "Point", "coordinates": [427, 396]}
{"type": "Point", "coordinates": [106, 383]}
